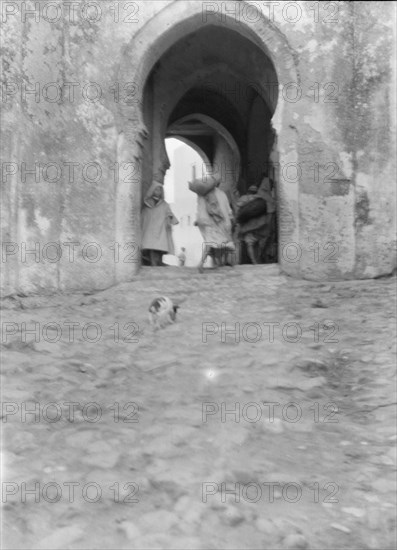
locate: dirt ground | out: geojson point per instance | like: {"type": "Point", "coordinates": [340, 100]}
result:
{"type": "Point", "coordinates": [264, 418]}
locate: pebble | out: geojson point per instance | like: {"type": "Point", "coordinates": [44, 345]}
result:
{"type": "Point", "coordinates": [183, 504]}
{"type": "Point", "coordinates": [79, 438]}
{"type": "Point", "coordinates": [340, 527]}
{"type": "Point", "coordinates": [60, 538]}
{"type": "Point", "coordinates": [382, 485]}
{"type": "Point", "coordinates": [375, 519]}
{"type": "Point", "coordinates": [131, 530]}
{"type": "Point", "coordinates": [107, 478]}
{"type": "Point", "coordinates": [295, 541]}
{"type": "Point", "coordinates": [312, 383]}
{"type": "Point", "coordinates": [243, 476]}
{"type": "Point", "coordinates": [159, 521]}
{"type": "Point", "coordinates": [303, 385]}
{"type": "Point", "coordinates": [372, 498]}
{"type": "Point", "coordinates": [356, 512]}
{"type": "Point", "coordinates": [387, 460]}
{"type": "Point", "coordinates": [52, 469]}
{"type": "Point", "coordinates": [318, 304]}
{"type": "Point", "coordinates": [161, 446]}
{"type": "Point", "coordinates": [265, 526]}
{"type": "Point", "coordinates": [49, 370]}
{"type": "Point", "coordinates": [233, 516]}
{"type": "Point", "coordinates": [392, 454]}
{"type": "Point", "coordinates": [101, 455]}
{"type": "Point", "coordinates": [23, 440]}
{"type": "Point", "coordinates": [192, 515]}
{"type": "Point", "coordinates": [301, 425]}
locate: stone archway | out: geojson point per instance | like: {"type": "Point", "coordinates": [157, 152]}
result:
{"type": "Point", "coordinates": [141, 55]}
{"type": "Point", "coordinates": [193, 145]}
{"type": "Point", "coordinates": [178, 129]}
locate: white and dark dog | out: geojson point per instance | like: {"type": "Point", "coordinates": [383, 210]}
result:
{"type": "Point", "coordinates": [162, 311]}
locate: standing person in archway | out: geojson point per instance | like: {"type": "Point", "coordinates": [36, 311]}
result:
{"type": "Point", "coordinates": [256, 229]}
{"type": "Point", "coordinates": [214, 220]}
{"type": "Point", "coordinates": [157, 222]}
{"type": "Point", "coordinates": [182, 257]}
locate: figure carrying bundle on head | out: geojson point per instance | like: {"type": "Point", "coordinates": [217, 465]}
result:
{"type": "Point", "coordinates": [214, 220]}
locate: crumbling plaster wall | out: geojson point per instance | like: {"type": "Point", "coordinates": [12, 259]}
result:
{"type": "Point", "coordinates": [78, 207]}
{"type": "Point", "coordinates": [350, 132]}
{"type": "Point", "coordinates": [355, 133]}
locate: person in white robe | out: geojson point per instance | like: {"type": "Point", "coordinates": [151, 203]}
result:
{"type": "Point", "coordinates": [157, 222]}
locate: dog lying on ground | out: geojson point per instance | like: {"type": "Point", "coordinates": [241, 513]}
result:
{"type": "Point", "coordinates": [162, 311]}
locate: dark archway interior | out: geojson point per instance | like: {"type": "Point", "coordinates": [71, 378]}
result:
{"type": "Point", "coordinates": [217, 73]}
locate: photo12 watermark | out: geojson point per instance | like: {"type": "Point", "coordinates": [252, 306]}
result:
{"type": "Point", "coordinates": [70, 252]}
{"type": "Point", "coordinates": [268, 412]}
{"type": "Point", "coordinates": [268, 331]}
{"type": "Point", "coordinates": [69, 172]}
{"type": "Point", "coordinates": [130, 172]}
{"type": "Point", "coordinates": [70, 91]}
{"type": "Point", "coordinates": [274, 91]}
{"type": "Point", "coordinates": [33, 412]}
{"type": "Point", "coordinates": [72, 11]}
{"type": "Point", "coordinates": [35, 492]}
{"type": "Point", "coordinates": [253, 12]}
{"type": "Point", "coordinates": [287, 172]}
{"type": "Point", "coordinates": [130, 93]}
{"type": "Point", "coordinates": [69, 332]}
{"type": "Point", "coordinates": [269, 492]}
{"type": "Point", "coordinates": [291, 252]}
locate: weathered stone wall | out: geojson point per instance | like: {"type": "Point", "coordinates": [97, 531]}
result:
{"type": "Point", "coordinates": [343, 121]}
{"type": "Point", "coordinates": [373, 142]}
{"type": "Point", "coordinates": [78, 206]}
{"type": "Point", "coordinates": [348, 130]}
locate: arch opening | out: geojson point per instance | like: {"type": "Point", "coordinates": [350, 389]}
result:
{"type": "Point", "coordinates": [225, 74]}
{"type": "Point", "coordinates": [186, 161]}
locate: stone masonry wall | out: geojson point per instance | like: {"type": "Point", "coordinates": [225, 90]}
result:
{"type": "Point", "coordinates": [343, 121]}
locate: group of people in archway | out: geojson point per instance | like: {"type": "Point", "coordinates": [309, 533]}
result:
{"type": "Point", "coordinates": [251, 225]}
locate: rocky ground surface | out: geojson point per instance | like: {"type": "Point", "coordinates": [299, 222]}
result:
{"type": "Point", "coordinates": [134, 443]}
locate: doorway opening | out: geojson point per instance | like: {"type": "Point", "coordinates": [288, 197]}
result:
{"type": "Point", "coordinates": [187, 163]}
{"type": "Point", "coordinates": [216, 68]}
{"type": "Point", "coordinates": [215, 90]}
